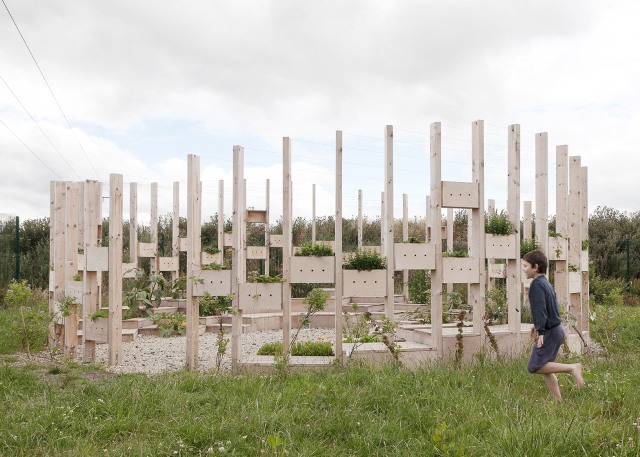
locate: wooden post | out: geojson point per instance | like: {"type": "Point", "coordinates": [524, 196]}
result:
{"type": "Point", "coordinates": [527, 233]}
{"type": "Point", "coordinates": [382, 219]}
{"type": "Point", "coordinates": [114, 327]}
{"type": "Point", "coordinates": [584, 235]}
{"type": "Point", "coordinates": [286, 245]}
{"type": "Point", "coordinates": [92, 216]}
{"type": "Point", "coordinates": [154, 263]}
{"type": "Point", "coordinates": [267, 237]}
{"type": "Point", "coordinates": [405, 237]}
{"type": "Point", "coordinates": [561, 278]}
{"type": "Point", "coordinates": [338, 245]}
{"type": "Point", "coordinates": [476, 290]}
{"type": "Point", "coordinates": [193, 257]}
{"type": "Point", "coordinates": [71, 266]}
{"type": "Point", "coordinates": [514, 272]}
{"type": "Point", "coordinates": [436, 235]}
{"type": "Point", "coordinates": [175, 229]}
{"type": "Point", "coordinates": [491, 210]}
{"type": "Point", "coordinates": [59, 252]}
{"type": "Point", "coordinates": [52, 260]}
{"type": "Point", "coordinates": [221, 216]}
{"type": "Point", "coordinates": [313, 214]}
{"type": "Point", "coordinates": [542, 191]}
{"type": "Point", "coordinates": [388, 221]}
{"type": "Point", "coordinates": [133, 223]}
{"type": "Point", "coordinates": [359, 218]}
{"type": "Point", "coordinates": [427, 219]}
{"type": "Point", "coordinates": [448, 288]}
{"type": "Point", "coordinates": [238, 212]}
{"type": "Point", "coordinates": [575, 243]}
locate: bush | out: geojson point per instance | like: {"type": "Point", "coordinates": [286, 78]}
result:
{"type": "Point", "coordinates": [308, 348]}
{"type": "Point", "coordinates": [419, 287]}
{"type": "Point", "coordinates": [318, 249]}
{"type": "Point", "coordinates": [498, 224]}
{"type": "Point", "coordinates": [215, 306]}
{"type": "Point", "coordinates": [25, 325]}
{"type": "Point", "coordinates": [263, 279]}
{"type": "Point", "coordinates": [528, 245]}
{"type": "Point", "coordinates": [365, 260]}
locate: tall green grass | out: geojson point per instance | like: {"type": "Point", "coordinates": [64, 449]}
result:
{"type": "Point", "coordinates": [482, 409]}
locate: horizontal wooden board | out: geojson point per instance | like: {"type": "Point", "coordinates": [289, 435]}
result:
{"type": "Point", "coordinates": [364, 283]}
{"type": "Point", "coordinates": [500, 246]}
{"type": "Point", "coordinates": [255, 297]}
{"type": "Point", "coordinates": [414, 256]}
{"type": "Point", "coordinates": [168, 263]}
{"type": "Point", "coordinates": [216, 282]}
{"type": "Point", "coordinates": [460, 270]}
{"type": "Point", "coordinates": [256, 252]}
{"type": "Point", "coordinates": [147, 250]}
{"type": "Point", "coordinates": [459, 194]}
{"type": "Point", "coordinates": [96, 330]}
{"type": "Point", "coordinates": [558, 248]}
{"type": "Point", "coordinates": [97, 258]}
{"type": "Point", "coordinates": [256, 216]}
{"type": "Point", "coordinates": [313, 269]}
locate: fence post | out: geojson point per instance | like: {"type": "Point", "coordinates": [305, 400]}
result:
{"type": "Point", "coordinates": [17, 249]}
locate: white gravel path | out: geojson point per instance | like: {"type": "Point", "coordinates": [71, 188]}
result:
{"type": "Point", "coordinates": [154, 354]}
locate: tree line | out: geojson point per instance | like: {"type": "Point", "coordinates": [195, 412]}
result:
{"type": "Point", "coordinates": [611, 234]}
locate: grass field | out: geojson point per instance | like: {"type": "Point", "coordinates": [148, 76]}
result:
{"type": "Point", "coordinates": [479, 410]}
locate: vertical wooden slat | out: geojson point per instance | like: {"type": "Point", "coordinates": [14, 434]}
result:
{"type": "Point", "coordinates": [388, 221]}
{"type": "Point", "coordinates": [193, 257]}
{"type": "Point", "coordinates": [527, 229]}
{"type": "Point", "coordinates": [59, 252]}
{"type": "Point", "coordinates": [575, 243]}
{"type": "Point", "coordinates": [154, 226]}
{"type": "Point", "coordinates": [175, 228]}
{"type": "Point", "coordinates": [115, 270]}
{"type": "Point", "coordinates": [542, 191]}
{"type": "Point", "coordinates": [427, 219]}
{"type": "Point", "coordinates": [405, 237]}
{"type": "Point", "coordinates": [476, 290]}
{"type": "Point", "coordinates": [238, 216]}
{"type": "Point", "coordinates": [92, 216]}
{"type": "Point", "coordinates": [52, 260]}
{"type": "Point", "coordinates": [338, 245]}
{"type": "Point", "coordinates": [436, 235]}
{"type": "Point", "coordinates": [561, 279]}
{"type": "Point", "coordinates": [491, 210]}
{"type": "Point", "coordinates": [133, 223]}
{"type": "Point", "coordinates": [71, 266]}
{"type": "Point", "coordinates": [359, 219]}
{"type": "Point", "coordinates": [584, 235]}
{"type": "Point", "coordinates": [267, 238]}
{"type": "Point", "coordinates": [221, 216]}
{"type": "Point", "coordinates": [313, 214]}
{"type": "Point", "coordinates": [286, 243]}
{"type": "Point", "coordinates": [514, 272]}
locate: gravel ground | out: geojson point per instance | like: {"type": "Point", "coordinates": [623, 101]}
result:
{"type": "Point", "coordinates": [154, 355]}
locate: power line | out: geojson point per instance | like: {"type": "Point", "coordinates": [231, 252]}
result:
{"type": "Point", "coordinates": [40, 128]}
{"type": "Point", "coordinates": [50, 90]}
{"type": "Point", "coordinates": [36, 155]}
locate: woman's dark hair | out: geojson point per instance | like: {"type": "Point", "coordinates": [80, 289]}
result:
{"type": "Point", "coordinates": [537, 258]}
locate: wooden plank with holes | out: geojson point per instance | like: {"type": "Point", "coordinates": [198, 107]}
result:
{"type": "Point", "coordinates": [206, 258]}
{"type": "Point", "coordinates": [147, 250]}
{"type": "Point", "coordinates": [168, 264]}
{"type": "Point", "coordinates": [216, 282]}
{"type": "Point", "coordinates": [253, 296]}
{"type": "Point", "coordinates": [256, 252]}
{"type": "Point", "coordinates": [414, 256]}
{"type": "Point", "coordinates": [96, 329]}
{"type": "Point", "coordinates": [575, 282]}
{"type": "Point", "coordinates": [276, 241]}
{"type": "Point", "coordinates": [312, 269]}
{"type": "Point", "coordinates": [500, 246]}
{"type": "Point", "coordinates": [364, 283]}
{"type": "Point", "coordinates": [557, 248]}
{"type": "Point", "coordinates": [459, 194]}
{"type": "Point", "coordinates": [74, 289]}
{"type": "Point", "coordinates": [460, 270]}
{"type": "Point", "coordinates": [497, 270]}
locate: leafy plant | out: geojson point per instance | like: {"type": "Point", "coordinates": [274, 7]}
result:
{"type": "Point", "coordinates": [263, 279]}
{"type": "Point", "coordinates": [101, 313]}
{"type": "Point", "coordinates": [170, 324]}
{"type": "Point", "coordinates": [77, 277]}
{"type": "Point", "coordinates": [66, 305]}
{"type": "Point", "coordinates": [318, 249]}
{"type": "Point", "coordinates": [496, 305]}
{"type": "Point", "coordinates": [32, 327]}
{"type": "Point", "coordinates": [80, 250]}
{"type": "Point", "coordinates": [218, 306]}
{"type": "Point", "coordinates": [527, 245]}
{"type": "Point", "coordinates": [145, 292]}
{"type": "Point", "coordinates": [413, 239]}
{"type": "Point", "coordinates": [498, 224]}
{"type": "Point", "coordinates": [585, 245]}
{"type": "Point", "coordinates": [209, 249]}
{"type": "Point", "coordinates": [298, 348]}
{"type": "Point", "coordinates": [573, 268]}
{"type": "Point", "coordinates": [365, 260]}
{"type": "Point", "coordinates": [456, 253]}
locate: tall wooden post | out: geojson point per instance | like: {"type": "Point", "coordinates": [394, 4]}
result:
{"type": "Point", "coordinates": [175, 229]}
{"type": "Point", "coordinates": [313, 214]}
{"type": "Point", "coordinates": [221, 216]}
{"type": "Point", "coordinates": [575, 243]}
{"type": "Point", "coordinates": [133, 223]}
{"type": "Point", "coordinates": [338, 246]}
{"type": "Point", "coordinates": [71, 266]}
{"type": "Point", "coordinates": [387, 248]}
{"type": "Point", "coordinates": [92, 216]}
{"type": "Point", "coordinates": [267, 236]}
{"type": "Point", "coordinates": [584, 236]}
{"type": "Point", "coordinates": [427, 219]}
{"type": "Point", "coordinates": [359, 218]}
{"type": "Point", "coordinates": [286, 244]}
{"type": "Point", "coordinates": [514, 272]}
{"type": "Point", "coordinates": [405, 237]}
{"type": "Point", "coordinates": [436, 235]}
{"type": "Point", "coordinates": [238, 212]}
{"type": "Point", "coordinates": [193, 257]}
{"type": "Point", "coordinates": [477, 238]}
{"type": "Point", "coordinates": [561, 277]}
{"type": "Point", "coordinates": [527, 232]}
{"type": "Point", "coordinates": [542, 191]}
{"type": "Point", "coordinates": [154, 227]}
{"type": "Point", "coordinates": [114, 327]}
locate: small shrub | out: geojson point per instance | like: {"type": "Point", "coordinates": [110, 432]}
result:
{"type": "Point", "coordinates": [170, 324]}
{"type": "Point", "coordinates": [307, 348]}
{"type": "Point", "coordinates": [413, 239]}
{"type": "Point", "coordinates": [216, 267]}
{"type": "Point", "coordinates": [365, 260]}
{"type": "Point", "coordinates": [419, 287]}
{"type": "Point", "coordinates": [318, 249]}
{"type": "Point", "coordinates": [263, 279]}
{"type": "Point", "coordinates": [210, 249]}
{"type": "Point", "coordinates": [102, 313]}
{"type": "Point", "coordinates": [496, 305]}
{"type": "Point", "coordinates": [498, 224]}
{"type": "Point", "coordinates": [77, 277]}
{"type": "Point", "coordinates": [215, 306]}
{"type": "Point", "coordinates": [456, 253]}
{"type": "Point", "coordinates": [585, 245]}
{"type": "Point", "coordinates": [528, 245]}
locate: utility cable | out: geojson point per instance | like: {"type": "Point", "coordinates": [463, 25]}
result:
{"type": "Point", "coordinates": [35, 155]}
{"type": "Point", "coordinates": [40, 128]}
{"type": "Point", "coordinates": [51, 91]}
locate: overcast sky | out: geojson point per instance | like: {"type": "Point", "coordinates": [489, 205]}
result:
{"type": "Point", "coordinates": [144, 83]}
